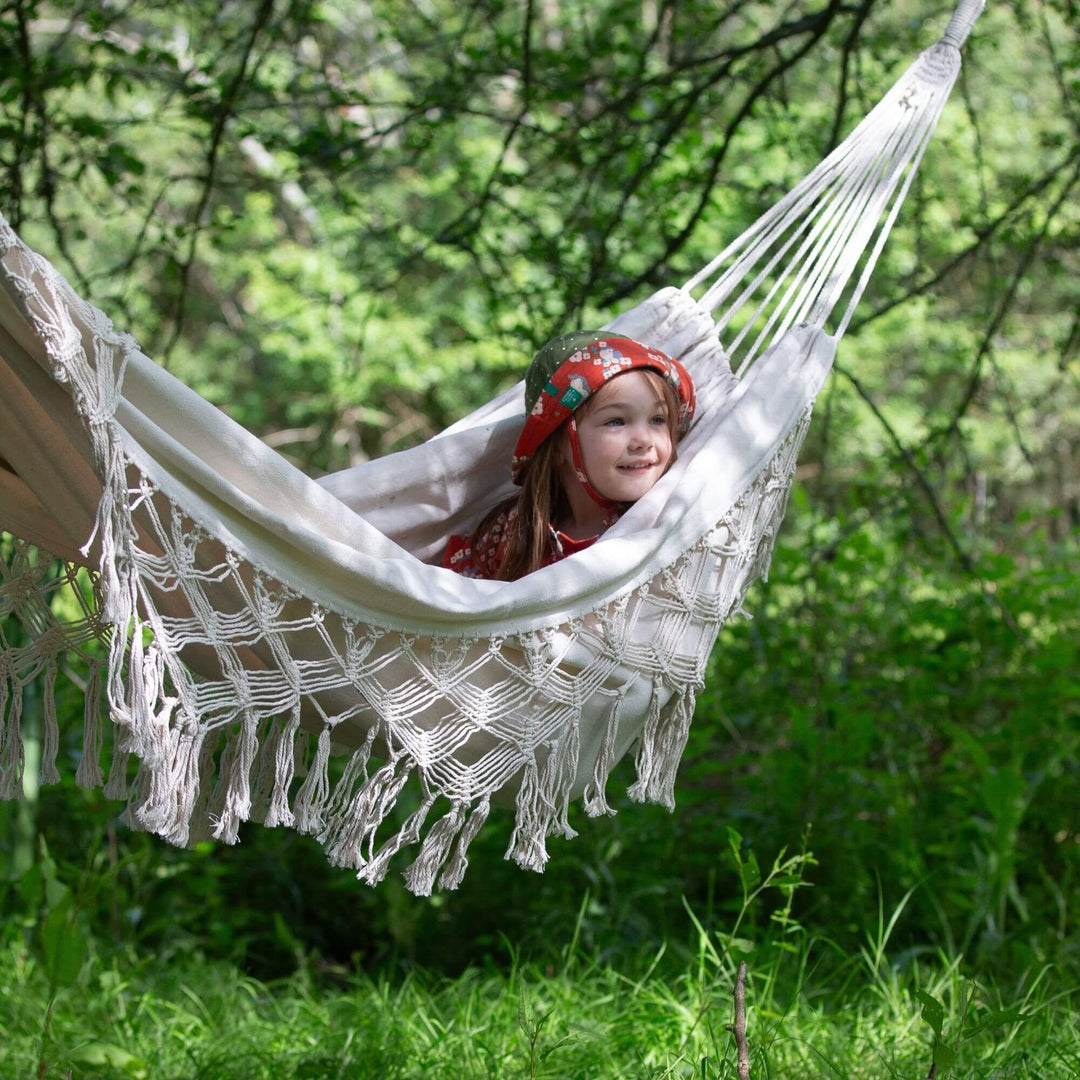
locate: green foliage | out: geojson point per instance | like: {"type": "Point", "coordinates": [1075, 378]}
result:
{"type": "Point", "coordinates": [51, 916]}
{"type": "Point", "coordinates": [583, 1018]}
{"type": "Point", "coordinates": [63, 945]}
{"type": "Point", "coordinates": [346, 225]}
{"type": "Point", "coordinates": [946, 1048]}
{"type": "Point", "coordinates": [364, 228]}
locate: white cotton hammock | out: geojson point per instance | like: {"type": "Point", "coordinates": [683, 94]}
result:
{"type": "Point", "coordinates": [258, 622]}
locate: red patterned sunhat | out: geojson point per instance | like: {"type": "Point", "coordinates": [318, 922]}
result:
{"type": "Point", "coordinates": [569, 369]}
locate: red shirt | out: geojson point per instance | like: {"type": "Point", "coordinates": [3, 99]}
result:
{"type": "Point", "coordinates": [479, 555]}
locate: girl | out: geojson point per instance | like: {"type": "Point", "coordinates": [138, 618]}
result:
{"type": "Point", "coordinates": [604, 414]}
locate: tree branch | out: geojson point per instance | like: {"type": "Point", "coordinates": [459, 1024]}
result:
{"type": "Point", "coordinates": [815, 25]}
{"type": "Point", "coordinates": [983, 235]}
{"type": "Point", "coordinates": [217, 132]}
{"type": "Point", "coordinates": [908, 459]}
{"type": "Point", "coordinates": [846, 52]}
{"type": "Point", "coordinates": [999, 315]}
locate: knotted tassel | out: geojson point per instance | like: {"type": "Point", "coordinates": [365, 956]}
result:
{"type": "Point", "coordinates": [672, 743]}
{"type": "Point", "coordinates": [199, 827]}
{"type": "Point", "coordinates": [116, 786]}
{"type": "Point", "coordinates": [238, 794]}
{"type": "Point", "coordinates": [115, 695]}
{"type": "Point", "coordinates": [420, 876]}
{"type": "Point", "coordinates": [454, 873]}
{"type": "Point", "coordinates": [50, 745]}
{"type": "Point", "coordinates": [174, 786]}
{"type": "Point", "coordinates": [185, 775]}
{"type": "Point", "coordinates": [263, 784]}
{"type": "Point", "coordinates": [215, 803]}
{"type": "Point", "coordinates": [313, 793]}
{"type": "Point", "coordinates": [265, 766]}
{"type": "Point", "coordinates": [559, 773]}
{"type": "Point", "coordinates": [352, 779]}
{"type": "Point", "coordinates": [658, 764]}
{"type": "Point", "coordinates": [647, 749]}
{"type": "Point", "coordinates": [356, 825]}
{"type": "Point", "coordinates": [11, 746]}
{"type": "Point", "coordinates": [145, 683]}
{"type": "Point", "coordinates": [528, 847]}
{"type": "Point", "coordinates": [595, 794]}
{"type": "Point", "coordinates": [116, 588]}
{"type": "Point", "coordinates": [88, 774]}
{"type": "Point", "coordinates": [409, 833]}
{"type": "Point", "coordinates": [154, 812]}
{"type": "Point", "coordinates": [124, 708]}
{"type": "Point", "coordinates": [277, 811]}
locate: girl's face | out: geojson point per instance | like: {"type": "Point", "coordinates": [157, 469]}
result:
{"type": "Point", "coordinates": [625, 438]}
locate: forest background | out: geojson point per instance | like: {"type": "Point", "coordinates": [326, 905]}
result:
{"type": "Point", "coordinates": [347, 224]}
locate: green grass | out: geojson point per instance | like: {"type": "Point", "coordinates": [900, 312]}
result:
{"type": "Point", "coordinates": [70, 1007]}
{"type": "Point", "coordinates": [131, 1017]}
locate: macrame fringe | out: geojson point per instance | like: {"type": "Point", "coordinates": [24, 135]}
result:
{"type": "Point", "coordinates": [647, 749]}
{"type": "Point", "coordinates": [193, 784]}
{"type": "Point", "coordinates": [528, 847]}
{"type": "Point", "coordinates": [134, 696]}
{"type": "Point", "coordinates": [594, 797]}
{"type": "Point", "coordinates": [560, 770]}
{"type": "Point", "coordinates": [315, 790]}
{"type": "Point", "coordinates": [219, 791]}
{"type": "Point", "coordinates": [349, 838]}
{"type": "Point", "coordinates": [201, 815]}
{"type": "Point", "coordinates": [173, 790]}
{"type": "Point", "coordinates": [116, 786]}
{"type": "Point", "coordinates": [50, 743]}
{"type": "Point", "coordinates": [237, 803]}
{"type": "Point", "coordinates": [420, 875]}
{"type": "Point", "coordinates": [196, 780]}
{"type": "Point", "coordinates": [375, 870]}
{"type": "Point", "coordinates": [454, 871]}
{"type": "Point", "coordinates": [354, 776]}
{"type": "Point", "coordinates": [543, 801]}
{"type": "Point", "coordinates": [88, 774]}
{"type": "Point", "coordinates": [263, 784]}
{"type": "Point", "coordinates": [662, 744]}
{"type": "Point", "coordinates": [11, 745]}
{"type": "Point", "coordinates": [158, 776]}
{"type": "Point", "coordinates": [284, 751]}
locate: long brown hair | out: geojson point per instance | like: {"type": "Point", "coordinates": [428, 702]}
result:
{"type": "Point", "coordinates": [542, 501]}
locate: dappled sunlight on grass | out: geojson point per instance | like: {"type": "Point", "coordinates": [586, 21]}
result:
{"type": "Point", "coordinates": [869, 1017]}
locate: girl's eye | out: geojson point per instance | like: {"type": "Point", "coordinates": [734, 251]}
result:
{"type": "Point", "coordinates": [613, 421]}
{"type": "Point", "coordinates": [658, 419]}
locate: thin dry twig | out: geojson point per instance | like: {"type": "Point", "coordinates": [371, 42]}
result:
{"type": "Point", "coordinates": [1004, 308]}
{"type": "Point", "coordinates": [217, 133]}
{"type": "Point", "coordinates": [846, 53]}
{"type": "Point", "coordinates": [815, 25]}
{"type": "Point", "coordinates": [908, 458]}
{"type": "Point", "coordinates": [982, 237]}
{"type": "Point", "coordinates": [738, 1029]}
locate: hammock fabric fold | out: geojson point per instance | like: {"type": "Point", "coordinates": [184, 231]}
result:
{"type": "Point", "coordinates": [241, 624]}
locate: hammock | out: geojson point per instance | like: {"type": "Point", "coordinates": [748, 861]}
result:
{"type": "Point", "coordinates": [253, 623]}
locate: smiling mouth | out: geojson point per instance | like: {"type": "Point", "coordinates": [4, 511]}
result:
{"type": "Point", "coordinates": [638, 468]}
